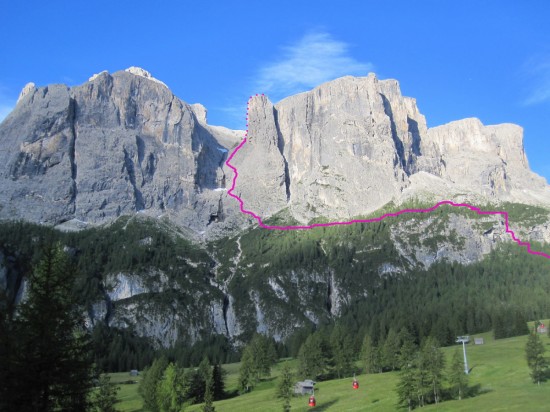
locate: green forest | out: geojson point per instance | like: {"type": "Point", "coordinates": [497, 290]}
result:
{"type": "Point", "coordinates": [382, 310]}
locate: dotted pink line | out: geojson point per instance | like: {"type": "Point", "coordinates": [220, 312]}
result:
{"type": "Point", "coordinates": [376, 219]}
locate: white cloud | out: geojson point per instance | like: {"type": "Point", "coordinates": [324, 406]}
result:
{"type": "Point", "coordinates": [537, 70]}
{"type": "Point", "coordinates": [314, 59]}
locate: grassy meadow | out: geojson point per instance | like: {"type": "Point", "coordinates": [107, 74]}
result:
{"type": "Point", "coordinates": [498, 367]}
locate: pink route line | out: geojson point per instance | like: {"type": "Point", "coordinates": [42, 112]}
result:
{"type": "Point", "coordinates": [376, 219]}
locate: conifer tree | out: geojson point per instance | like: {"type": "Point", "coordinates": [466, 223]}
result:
{"type": "Point", "coordinates": [205, 370]}
{"type": "Point", "coordinates": [458, 380]}
{"type": "Point", "coordinates": [247, 371]}
{"type": "Point", "coordinates": [52, 366]}
{"type": "Point", "coordinates": [106, 396]}
{"type": "Point", "coordinates": [148, 385]}
{"type": "Point", "coordinates": [218, 382]}
{"type": "Point", "coordinates": [435, 366]}
{"type": "Point", "coordinates": [170, 390]}
{"type": "Point", "coordinates": [534, 352]}
{"type": "Point", "coordinates": [407, 387]}
{"type": "Point", "coordinates": [313, 358]}
{"type": "Point", "coordinates": [285, 385]}
{"type": "Point", "coordinates": [370, 355]}
{"type": "Point", "coordinates": [342, 351]}
{"type": "Point", "coordinates": [208, 396]}
{"type": "Point", "coordinates": [193, 386]}
{"type": "Point", "coordinates": [391, 350]}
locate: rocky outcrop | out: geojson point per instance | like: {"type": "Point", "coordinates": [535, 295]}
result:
{"type": "Point", "coordinates": [260, 163]}
{"type": "Point", "coordinates": [123, 143]}
{"type": "Point", "coordinates": [116, 145]}
{"type": "Point", "coordinates": [352, 145]}
{"type": "Point", "coordinates": [486, 160]}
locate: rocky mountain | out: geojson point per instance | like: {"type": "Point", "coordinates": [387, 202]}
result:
{"type": "Point", "coordinates": [165, 252]}
{"type": "Point", "coordinates": [117, 145]}
{"type": "Point", "coordinates": [123, 143]}
{"type": "Point", "coordinates": [352, 145]}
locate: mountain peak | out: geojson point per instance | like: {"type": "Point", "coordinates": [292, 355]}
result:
{"type": "Point", "coordinates": [138, 71]}
{"type": "Point", "coordinates": [120, 144]}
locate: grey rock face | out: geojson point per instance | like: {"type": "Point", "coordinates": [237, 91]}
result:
{"type": "Point", "coordinates": [486, 160]}
{"type": "Point", "coordinates": [123, 143]}
{"type": "Point", "coordinates": [118, 144]}
{"type": "Point", "coordinates": [352, 145]}
{"type": "Point", "coordinates": [260, 163]}
{"type": "Point", "coordinates": [345, 154]}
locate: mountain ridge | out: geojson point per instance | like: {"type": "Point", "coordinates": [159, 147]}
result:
{"type": "Point", "coordinates": [123, 143]}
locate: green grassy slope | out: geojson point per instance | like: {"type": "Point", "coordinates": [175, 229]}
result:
{"type": "Point", "coordinates": [499, 367]}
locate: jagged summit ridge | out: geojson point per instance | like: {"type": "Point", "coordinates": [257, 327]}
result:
{"type": "Point", "coordinates": [122, 143]}
{"type": "Point", "coordinates": [352, 145]}
{"type": "Point", "coordinates": [118, 144]}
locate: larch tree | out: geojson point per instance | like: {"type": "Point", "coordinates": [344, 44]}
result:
{"type": "Point", "coordinates": [208, 396]}
{"type": "Point", "coordinates": [342, 351]}
{"type": "Point", "coordinates": [435, 366]}
{"type": "Point", "coordinates": [149, 383]}
{"type": "Point", "coordinates": [407, 386]}
{"type": "Point", "coordinates": [314, 357]}
{"type": "Point", "coordinates": [370, 355]}
{"type": "Point", "coordinates": [390, 351]}
{"type": "Point", "coordinates": [170, 390]}
{"type": "Point", "coordinates": [534, 352]}
{"type": "Point", "coordinates": [458, 380]}
{"type": "Point", "coordinates": [247, 371]}
{"type": "Point", "coordinates": [285, 385]}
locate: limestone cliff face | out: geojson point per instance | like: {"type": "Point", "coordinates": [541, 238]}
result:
{"type": "Point", "coordinates": [352, 145]}
{"type": "Point", "coordinates": [487, 160]}
{"type": "Point", "coordinates": [123, 143]}
{"type": "Point", "coordinates": [260, 163]}
{"type": "Point", "coordinates": [118, 144]}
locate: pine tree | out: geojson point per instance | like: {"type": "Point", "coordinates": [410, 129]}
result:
{"type": "Point", "coordinates": [458, 380]}
{"type": "Point", "coordinates": [170, 390]}
{"type": "Point", "coordinates": [391, 350]}
{"type": "Point", "coordinates": [534, 352]}
{"type": "Point", "coordinates": [208, 396]}
{"type": "Point", "coordinates": [205, 370]}
{"type": "Point", "coordinates": [407, 386]}
{"type": "Point", "coordinates": [247, 371]}
{"type": "Point", "coordinates": [52, 367]}
{"type": "Point", "coordinates": [148, 386]}
{"type": "Point", "coordinates": [218, 382]}
{"type": "Point", "coordinates": [370, 354]}
{"type": "Point", "coordinates": [435, 366]}
{"type": "Point", "coordinates": [284, 388]}
{"type": "Point", "coordinates": [313, 358]}
{"type": "Point", "coordinates": [193, 386]}
{"type": "Point", "coordinates": [106, 396]}
{"type": "Point", "coordinates": [342, 351]}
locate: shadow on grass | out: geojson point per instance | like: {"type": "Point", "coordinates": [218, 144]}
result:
{"type": "Point", "coordinates": [325, 405]}
{"type": "Point", "coordinates": [270, 379]}
{"type": "Point", "coordinates": [469, 392]}
{"type": "Point", "coordinates": [231, 394]}
{"type": "Point", "coordinates": [476, 390]}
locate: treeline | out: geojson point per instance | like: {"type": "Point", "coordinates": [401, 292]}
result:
{"type": "Point", "coordinates": [45, 354]}
{"type": "Point", "coordinates": [380, 288]}
{"type": "Point", "coordinates": [500, 292]}
{"type": "Point", "coordinates": [166, 386]}
{"type": "Point", "coordinates": [129, 245]}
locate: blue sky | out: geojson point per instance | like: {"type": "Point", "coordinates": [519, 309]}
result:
{"type": "Point", "coordinates": [485, 59]}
